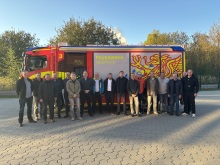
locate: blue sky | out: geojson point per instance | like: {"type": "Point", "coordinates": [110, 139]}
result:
{"type": "Point", "coordinates": [134, 18]}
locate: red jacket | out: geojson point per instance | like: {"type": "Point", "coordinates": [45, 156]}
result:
{"type": "Point", "coordinates": [141, 82]}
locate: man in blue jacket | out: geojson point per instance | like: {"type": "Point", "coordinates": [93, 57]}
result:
{"type": "Point", "coordinates": [98, 90]}
{"type": "Point", "coordinates": [174, 91]}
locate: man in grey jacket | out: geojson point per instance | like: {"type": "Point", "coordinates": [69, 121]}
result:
{"type": "Point", "coordinates": [152, 86]}
{"type": "Point", "coordinates": [73, 88]}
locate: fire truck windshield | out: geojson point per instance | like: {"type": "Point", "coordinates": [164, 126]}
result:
{"type": "Point", "coordinates": [33, 63]}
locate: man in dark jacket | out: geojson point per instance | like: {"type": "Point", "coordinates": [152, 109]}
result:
{"type": "Point", "coordinates": [152, 86]}
{"type": "Point", "coordinates": [133, 88]}
{"type": "Point", "coordinates": [47, 94]}
{"type": "Point", "coordinates": [190, 91]}
{"type": "Point", "coordinates": [174, 91]}
{"type": "Point", "coordinates": [24, 88]}
{"type": "Point", "coordinates": [121, 89]}
{"type": "Point", "coordinates": [58, 86]}
{"type": "Point", "coordinates": [66, 99]}
{"type": "Point", "coordinates": [109, 90]}
{"type": "Point", "coordinates": [184, 74]}
{"type": "Point", "coordinates": [86, 93]}
{"type": "Point", "coordinates": [36, 82]}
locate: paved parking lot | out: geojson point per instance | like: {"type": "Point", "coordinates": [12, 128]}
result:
{"type": "Point", "coordinates": [110, 139]}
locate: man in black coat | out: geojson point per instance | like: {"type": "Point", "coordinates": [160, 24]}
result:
{"type": "Point", "coordinates": [58, 86]}
{"type": "Point", "coordinates": [66, 99]}
{"type": "Point", "coordinates": [121, 89]}
{"type": "Point", "coordinates": [47, 95]}
{"type": "Point", "coordinates": [133, 88]}
{"type": "Point", "coordinates": [36, 82]}
{"type": "Point", "coordinates": [190, 91]}
{"type": "Point", "coordinates": [109, 90]}
{"type": "Point", "coordinates": [174, 91]}
{"type": "Point", "coordinates": [86, 93]}
{"type": "Point", "coordinates": [24, 88]}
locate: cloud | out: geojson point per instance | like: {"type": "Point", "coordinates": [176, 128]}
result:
{"type": "Point", "coordinates": [119, 35]}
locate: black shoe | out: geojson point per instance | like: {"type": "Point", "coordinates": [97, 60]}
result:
{"type": "Point", "coordinates": [126, 114]}
{"type": "Point", "coordinates": [45, 122]}
{"type": "Point", "coordinates": [66, 116]}
{"type": "Point", "coordinates": [177, 114]}
{"type": "Point", "coordinates": [118, 113]}
{"type": "Point", "coordinates": [91, 115]}
{"type": "Point", "coordinates": [59, 116]}
{"type": "Point", "coordinates": [32, 121]}
{"type": "Point", "coordinates": [132, 115]}
{"type": "Point", "coordinates": [171, 113]}
{"type": "Point", "coordinates": [52, 120]}
{"type": "Point", "coordinates": [21, 125]}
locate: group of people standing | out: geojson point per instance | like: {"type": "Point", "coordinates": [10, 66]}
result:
{"type": "Point", "coordinates": [43, 94]}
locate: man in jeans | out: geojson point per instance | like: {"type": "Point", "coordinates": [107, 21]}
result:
{"type": "Point", "coordinates": [152, 86]}
{"type": "Point", "coordinates": [121, 89]}
{"type": "Point", "coordinates": [133, 88]}
{"type": "Point", "coordinates": [163, 83]}
{"type": "Point", "coordinates": [175, 93]}
{"type": "Point", "coordinates": [73, 88]}
{"type": "Point", "coordinates": [36, 82]}
{"type": "Point", "coordinates": [24, 88]}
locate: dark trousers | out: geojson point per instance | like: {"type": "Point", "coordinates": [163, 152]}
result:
{"type": "Point", "coordinates": [49, 103]}
{"type": "Point", "coordinates": [109, 97]}
{"type": "Point", "coordinates": [140, 100]}
{"type": "Point", "coordinates": [97, 96]}
{"type": "Point", "coordinates": [66, 99]}
{"type": "Point", "coordinates": [88, 98]}
{"type": "Point", "coordinates": [22, 102]}
{"type": "Point", "coordinates": [59, 103]}
{"type": "Point", "coordinates": [189, 102]}
{"type": "Point", "coordinates": [123, 96]}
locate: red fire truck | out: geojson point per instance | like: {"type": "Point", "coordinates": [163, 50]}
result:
{"type": "Point", "coordinates": [104, 59]}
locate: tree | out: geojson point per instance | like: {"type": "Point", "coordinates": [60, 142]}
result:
{"type": "Point", "coordinates": [81, 33]}
{"type": "Point", "coordinates": [18, 41]}
{"type": "Point", "coordinates": [174, 38]}
{"type": "Point", "coordinates": [12, 65]}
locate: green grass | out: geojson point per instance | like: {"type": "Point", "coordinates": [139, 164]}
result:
{"type": "Point", "coordinates": [209, 89]}
{"type": "Point", "coordinates": [8, 96]}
